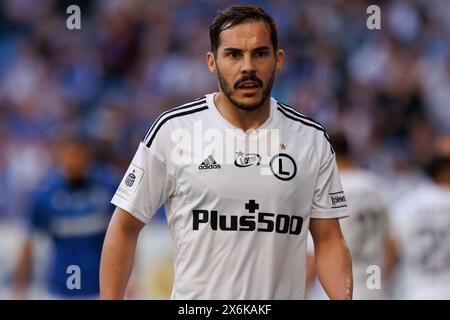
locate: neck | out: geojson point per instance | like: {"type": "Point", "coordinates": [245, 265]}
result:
{"type": "Point", "coordinates": [344, 163]}
{"type": "Point", "coordinates": [243, 119]}
{"type": "Point", "coordinates": [443, 181]}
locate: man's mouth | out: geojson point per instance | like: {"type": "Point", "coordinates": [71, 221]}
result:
{"type": "Point", "coordinates": [248, 85]}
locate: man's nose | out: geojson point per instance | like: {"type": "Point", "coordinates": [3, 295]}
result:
{"type": "Point", "coordinates": [248, 65]}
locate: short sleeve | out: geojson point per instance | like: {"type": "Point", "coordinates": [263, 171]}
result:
{"type": "Point", "coordinates": [329, 199]}
{"type": "Point", "coordinates": [146, 185]}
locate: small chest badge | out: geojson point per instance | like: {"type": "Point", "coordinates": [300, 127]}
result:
{"type": "Point", "coordinates": [246, 159]}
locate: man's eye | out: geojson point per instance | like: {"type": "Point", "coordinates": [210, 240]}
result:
{"type": "Point", "coordinates": [234, 54]}
{"type": "Point", "coordinates": [261, 54]}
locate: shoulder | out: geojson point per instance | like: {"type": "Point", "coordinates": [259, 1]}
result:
{"type": "Point", "coordinates": [303, 126]}
{"type": "Point", "coordinates": [366, 185]}
{"type": "Point", "coordinates": [414, 200]}
{"type": "Point", "coordinates": [364, 177]}
{"type": "Point", "coordinates": [43, 192]}
{"type": "Point", "coordinates": [54, 181]}
{"type": "Point", "coordinates": [175, 117]}
{"type": "Point", "coordinates": [104, 177]}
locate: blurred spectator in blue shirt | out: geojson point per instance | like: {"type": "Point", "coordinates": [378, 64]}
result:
{"type": "Point", "coordinates": [72, 207]}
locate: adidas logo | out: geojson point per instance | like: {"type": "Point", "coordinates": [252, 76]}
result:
{"type": "Point", "coordinates": [209, 163]}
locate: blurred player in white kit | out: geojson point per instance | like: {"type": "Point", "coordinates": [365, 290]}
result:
{"type": "Point", "coordinates": [421, 220]}
{"type": "Point", "coordinates": [366, 231]}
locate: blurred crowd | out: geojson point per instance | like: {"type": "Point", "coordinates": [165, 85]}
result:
{"type": "Point", "coordinates": [388, 89]}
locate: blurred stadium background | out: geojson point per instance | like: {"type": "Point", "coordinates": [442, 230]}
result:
{"type": "Point", "coordinates": [388, 89]}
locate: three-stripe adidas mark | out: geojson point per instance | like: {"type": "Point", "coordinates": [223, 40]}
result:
{"type": "Point", "coordinates": [186, 109]}
{"type": "Point", "coordinates": [209, 163]}
{"type": "Point", "coordinates": [291, 113]}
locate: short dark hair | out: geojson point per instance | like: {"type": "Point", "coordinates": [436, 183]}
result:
{"type": "Point", "coordinates": [238, 14]}
{"type": "Point", "coordinates": [78, 139]}
{"type": "Point", "coordinates": [436, 165]}
{"type": "Point", "coordinates": [340, 144]}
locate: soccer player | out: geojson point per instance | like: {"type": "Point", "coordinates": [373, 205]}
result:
{"type": "Point", "coordinates": [366, 230]}
{"type": "Point", "coordinates": [422, 223]}
{"type": "Point", "coordinates": [238, 226]}
{"type": "Point", "coordinates": [70, 208]}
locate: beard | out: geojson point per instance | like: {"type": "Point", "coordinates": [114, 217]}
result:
{"type": "Point", "coordinates": [229, 90]}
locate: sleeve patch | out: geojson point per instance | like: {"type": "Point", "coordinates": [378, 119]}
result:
{"type": "Point", "coordinates": [130, 182]}
{"type": "Point", "coordinates": [338, 200]}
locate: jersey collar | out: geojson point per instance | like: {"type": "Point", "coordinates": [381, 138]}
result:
{"type": "Point", "coordinates": [226, 124]}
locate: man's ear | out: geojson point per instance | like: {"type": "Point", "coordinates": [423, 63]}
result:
{"type": "Point", "coordinates": [211, 60]}
{"type": "Point", "coordinates": [279, 56]}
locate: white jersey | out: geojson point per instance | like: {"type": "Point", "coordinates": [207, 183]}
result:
{"type": "Point", "coordinates": [421, 221]}
{"type": "Point", "coordinates": [365, 232]}
{"type": "Point", "coordinates": [238, 204]}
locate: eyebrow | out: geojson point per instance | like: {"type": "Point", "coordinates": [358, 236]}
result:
{"type": "Point", "coordinates": [262, 48]}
